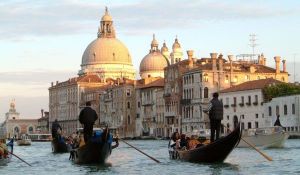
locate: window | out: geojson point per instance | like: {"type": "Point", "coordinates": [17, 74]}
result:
{"type": "Point", "coordinates": [293, 108]}
{"type": "Point", "coordinates": [139, 104]}
{"type": "Point", "coordinates": [270, 111]}
{"type": "Point", "coordinates": [205, 92]}
{"type": "Point", "coordinates": [243, 125]}
{"type": "Point", "coordinates": [234, 100]}
{"type": "Point", "coordinates": [242, 99]}
{"type": "Point", "coordinates": [227, 117]}
{"type": "Point", "coordinates": [256, 98]}
{"type": "Point", "coordinates": [128, 105]}
{"type": "Point", "coordinates": [30, 129]}
{"type": "Point", "coordinates": [256, 124]}
{"type": "Point", "coordinates": [285, 110]}
{"type": "Point", "coordinates": [128, 119]}
{"type": "Point", "coordinates": [256, 115]}
{"type": "Point", "coordinates": [249, 125]}
{"type": "Point", "coordinates": [235, 80]}
{"type": "Point", "coordinates": [205, 77]}
{"type": "Point", "coordinates": [226, 79]}
{"type": "Point", "coordinates": [137, 115]}
{"type": "Point", "coordinates": [128, 92]}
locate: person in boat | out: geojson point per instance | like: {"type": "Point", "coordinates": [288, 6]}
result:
{"type": "Point", "coordinates": [87, 117]}
{"type": "Point", "coordinates": [277, 122]}
{"type": "Point", "coordinates": [215, 112]}
{"type": "Point", "coordinates": [193, 142]}
{"type": "Point", "coordinates": [55, 129]}
{"type": "Point", "coordinates": [183, 142]}
{"type": "Point", "coordinates": [175, 141]}
{"type": "Point", "coordinates": [3, 149]}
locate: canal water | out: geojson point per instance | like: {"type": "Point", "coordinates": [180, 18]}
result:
{"type": "Point", "coordinates": [125, 160]}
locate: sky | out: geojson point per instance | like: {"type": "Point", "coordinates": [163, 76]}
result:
{"type": "Point", "coordinates": [43, 41]}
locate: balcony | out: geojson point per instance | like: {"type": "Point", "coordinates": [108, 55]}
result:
{"type": "Point", "coordinates": [248, 104]}
{"type": "Point", "coordinates": [242, 104]}
{"type": "Point", "coordinates": [147, 103]}
{"type": "Point", "coordinates": [255, 103]}
{"type": "Point", "coordinates": [185, 101]}
{"type": "Point", "coordinates": [167, 94]}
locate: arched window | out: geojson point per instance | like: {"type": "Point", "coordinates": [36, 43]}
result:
{"type": "Point", "coordinates": [270, 111]}
{"type": "Point", "coordinates": [17, 130]}
{"type": "Point", "coordinates": [285, 110]}
{"type": "Point", "coordinates": [277, 110]}
{"type": "Point", "coordinates": [30, 130]}
{"type": "Point", "coordinates": [205, 92]}
{"type": "Point", "coordinates": [128, 119]}
{"type": "Point", "coordinates": [205, 77]}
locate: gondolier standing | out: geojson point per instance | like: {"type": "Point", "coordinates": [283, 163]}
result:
{"type": "Point", "coordinates": [87, 117]}
{"type": "Point", "coordinates": [55, 128]}
{"type": "Point", "coordinates": [215, 112]}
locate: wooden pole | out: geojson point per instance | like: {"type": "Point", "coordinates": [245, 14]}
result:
{"type": "Point", "coordinates": [16, 156]}
{"type": "Point", "coordinates": [157, 161]}
{"type": "Point", "coordinates": [256, 149]}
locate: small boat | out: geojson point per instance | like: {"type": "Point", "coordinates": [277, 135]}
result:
{"type": "Point", "coordinates": [96, 150]}
{"type": "Point", "coordinates": [59, 145]}
{"type": "Point", "coordinates": [4, 161]}
{"type": "Point", "coordinates": [24, 141]}
{"type": "Point", "coordinates": [210, 153]}
{"type": "Point", "coordinates": [268, 137]}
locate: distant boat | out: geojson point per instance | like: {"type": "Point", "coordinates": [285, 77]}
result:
{"type": "Point", "coordinates": [40, 137]}
{"type": "Point", "coordinates": [96, 150]}
{"type": "Point", "coordinates": [269, 137]}
{"type": "Point", "coordinates": [24, 141]}
{"type": "Point", "coordinates": [211, 153]}
{"type": "Point", "coordinates": [4, 161]}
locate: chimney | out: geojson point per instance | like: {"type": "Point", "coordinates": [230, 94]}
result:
{"type": "Point", "coordinates": [220, 59]}
{"type": "Point", "coordinates": [284, 65]}
{"type": "Point", "coordinates": [56, 82]}
{"type": "Point", "coordinates": [214, 61]}
{"type": "Point", "coordinates": [42, 111]}
{"type": "Point", "coordinates": [277, 63]}
{"type": "Point", "coordinates": [51, 84]}
{"type": "Point", "coordinates": [190, 57]}
{"type": "Point", "coordinates": [263, 59]}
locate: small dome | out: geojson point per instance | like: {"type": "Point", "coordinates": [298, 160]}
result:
{"type": "Point", "coordinates": [176, 44]}
{"type": "Point", "coordinates": [164, 48]}
{"type": "Point", "coordinates": [154, 61]}
{"type": "Point", "coordinates": [106, 16]}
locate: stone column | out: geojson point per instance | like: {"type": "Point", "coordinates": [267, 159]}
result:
{"type": "Point", "coordinates": [284, 65]}
{"type": "Point", "coordinates": [190, 57]}
{"type": "Point", "coordinates": [277, 62]}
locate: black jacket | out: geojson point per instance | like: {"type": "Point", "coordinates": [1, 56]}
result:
{"type": "Point", "coordinates": [88, 116]}
{"type": "Point", "coordinates": [55, 126]}
{"type": "Point", "coordinates": [216, 112]}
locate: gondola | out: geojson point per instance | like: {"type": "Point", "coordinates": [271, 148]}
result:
{"type": "Point", "coordinates": [59, 146]}
{"type": "Point", "coordinates": [211, 153]}
{"type": "Point", "coordinates": [96, 150]}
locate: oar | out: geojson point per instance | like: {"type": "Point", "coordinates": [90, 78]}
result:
{"type": "Point", "coordinates": [16, 156]}
{"type": "Point", "coordinates": [252, 146]}
{"type": "Point", "coordinates": [140, 151]}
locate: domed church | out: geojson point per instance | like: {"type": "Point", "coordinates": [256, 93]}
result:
{"type": "Point", "coordinates": [153, 64]}
{"type": "Point", "coordinates": [107, 56]}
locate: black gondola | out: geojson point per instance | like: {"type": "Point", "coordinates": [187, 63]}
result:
{"type": "Point", "coordinates": [210, 153]}
{"type": "Point", "coordinates": [96, 150]}
{"type": "Point", "coordinates": [59, 146]}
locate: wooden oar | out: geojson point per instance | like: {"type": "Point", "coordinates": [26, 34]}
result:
{"type": "Point", "coordinates": [140, 151]}
{"type": "Point", "coordinates": [254, 147]}
{"type": "Point", "coordinates": [16, 156]}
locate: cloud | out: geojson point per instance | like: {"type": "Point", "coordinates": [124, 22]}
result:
{"type": "Point", "coordinates": [64, 17]}
{"type": "Point", "coordinates": [30, 83]}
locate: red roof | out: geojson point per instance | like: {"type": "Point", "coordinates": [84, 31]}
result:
{"type": "Point", "coordinates": [251, 85]}
{"type": "Point", "coordinates": [157, 83]}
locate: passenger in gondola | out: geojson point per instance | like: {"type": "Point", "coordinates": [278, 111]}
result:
{"type": "Point", "coordinates": [87, 117]}
{"type": "Point", "coordinates": [277, 122]}
{"type": "Point", "coordinates": [183, 142]}
{"type": "Point", "coordinates": [3, 149]}
{"type": "Point", "coordinates": [55, 129]}
{"type": "Point", "coordinates": [215, 112]}
{"type": "Point", "coordinates": [175, 141]}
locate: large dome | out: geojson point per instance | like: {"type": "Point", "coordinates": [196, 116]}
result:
{"type": "Point", "coordinates": [154, 61]}
{"type": "Point", "coordinates": [106, 51]}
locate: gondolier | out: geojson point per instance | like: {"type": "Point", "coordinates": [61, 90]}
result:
{"type": "Point", "coordinates": [87, 117]}
{"type": "Point", "coordinates": [55, 127]}
{"type": "Point", "coordinates": [215, 112]}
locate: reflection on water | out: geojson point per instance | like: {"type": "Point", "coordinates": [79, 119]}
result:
{"type": "Point", "coordinates": [125, 160]}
